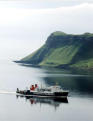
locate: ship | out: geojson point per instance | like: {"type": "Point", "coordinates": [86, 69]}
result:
{"type": "Point", "coordinates": [55, 92]}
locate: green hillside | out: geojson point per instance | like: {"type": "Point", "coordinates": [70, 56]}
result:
{"type": "Point", "coordinates": [64, 50]}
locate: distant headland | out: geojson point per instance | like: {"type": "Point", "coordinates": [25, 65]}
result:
{"type": "Point", "coordinates": [64, 51]}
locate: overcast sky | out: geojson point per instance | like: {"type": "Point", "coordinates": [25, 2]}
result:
{"type": "Point", "coordinates": [25, 25]}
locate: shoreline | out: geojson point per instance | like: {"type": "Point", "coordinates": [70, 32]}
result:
{"type": "Point", "coordinates": [65, 66]}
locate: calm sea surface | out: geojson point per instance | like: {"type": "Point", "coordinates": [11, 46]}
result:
{"type": "Point", "coordinates": [78, 107]}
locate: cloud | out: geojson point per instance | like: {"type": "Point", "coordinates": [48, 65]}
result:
{"type": "Point", "coordinates": [21, 20]}
{"type": "Point", "coordinates": [10, 15]}
{"type": "Point", "coordinates": [26, 29]}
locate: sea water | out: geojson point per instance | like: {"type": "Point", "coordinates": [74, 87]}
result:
{"type": "Point", "coordinates": [78, 107]}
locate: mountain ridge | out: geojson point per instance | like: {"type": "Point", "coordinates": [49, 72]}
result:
{"type": "Point", "coordinates": [64, 50]}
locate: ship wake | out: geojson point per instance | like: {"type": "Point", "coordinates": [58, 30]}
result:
{"type": "Point", "coordinates": [7, 92]}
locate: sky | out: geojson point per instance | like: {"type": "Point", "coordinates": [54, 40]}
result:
{"type": "Point", "coordinates": [26, 24]}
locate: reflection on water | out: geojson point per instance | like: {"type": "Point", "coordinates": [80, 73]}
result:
{"type": "Point", "coordinates": [76, 85]}
{"type": "Point", "coordinates": [79, 83]}
{"type": "Point", "coordinates": [44, 101]}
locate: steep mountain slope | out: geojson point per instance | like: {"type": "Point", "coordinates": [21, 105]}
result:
{"type": "Point", "coordinates": [64, 50]}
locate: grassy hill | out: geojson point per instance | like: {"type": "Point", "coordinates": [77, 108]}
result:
{"type": "Point", "coordinates": [64, 50]}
